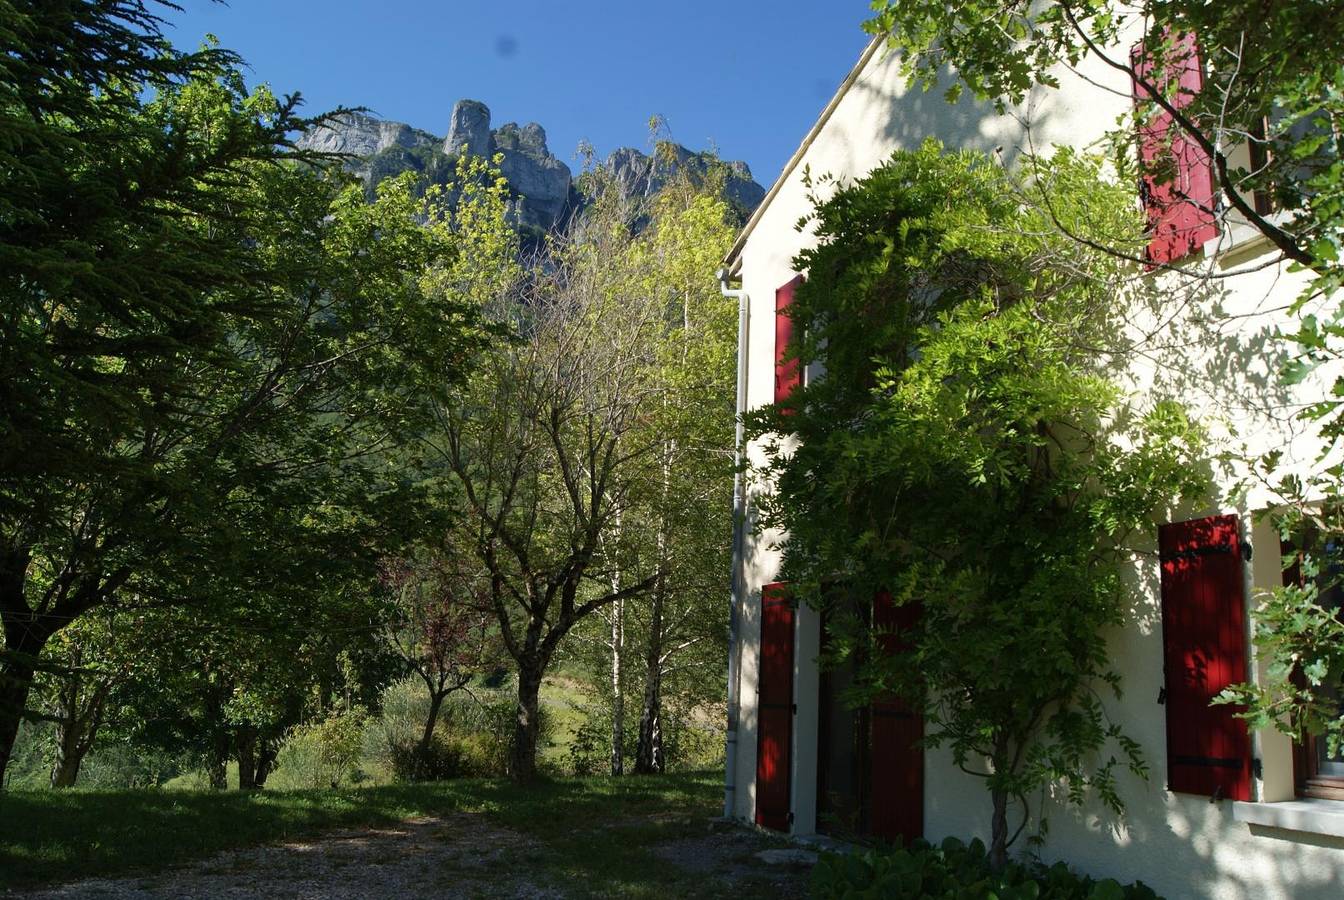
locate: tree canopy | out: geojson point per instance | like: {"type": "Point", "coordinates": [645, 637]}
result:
{"type": "Point", "coordinates": [213, 350]}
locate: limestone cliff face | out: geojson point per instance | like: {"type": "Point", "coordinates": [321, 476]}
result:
{"type": "Point", "coordinates": [363, 135]}
{"type": "Point", "coordinates": [639, 174]}
{"type": "Point", "coordinates": [542, 187]}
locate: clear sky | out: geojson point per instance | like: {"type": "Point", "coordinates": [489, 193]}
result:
{"type": "Point", "coordinates": [746, 76]}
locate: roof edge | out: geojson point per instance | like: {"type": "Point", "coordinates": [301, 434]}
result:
{"type": "Point", "coordinates": [798, 154]}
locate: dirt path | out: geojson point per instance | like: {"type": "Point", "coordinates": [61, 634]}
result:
{"type": "Point", "coordinates": [455, 855]}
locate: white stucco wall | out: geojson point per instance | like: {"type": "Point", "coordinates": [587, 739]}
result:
{"type": "Point", "coordinates": [1181, 845]}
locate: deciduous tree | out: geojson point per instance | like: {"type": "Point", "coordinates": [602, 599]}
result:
{"type": "Point", "coordinates": [967, 453]}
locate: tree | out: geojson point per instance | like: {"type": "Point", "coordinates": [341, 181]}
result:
{"type": "Point", "coordinates": [1269, 118]}
{"type": "Point", "coordinates": [441, 628]}
{"type": "Point", "coordinates": [212, 349]}
{"type": "Point", "coordinates": [687, 235]}
{"type": "Point", "coordinates": [967, 454]}
{"type": "Point", "coordinates": [92, 659]}
{"type": "Point", "coordinates": [545, 446]}
{"type": "Point", "coordinates": [663, 253]}
{"type": "Point", "coordinates": [1272, 79]}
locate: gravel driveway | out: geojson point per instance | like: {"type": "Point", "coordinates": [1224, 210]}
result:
{"type": "Point", "coordinates": [454, 855]}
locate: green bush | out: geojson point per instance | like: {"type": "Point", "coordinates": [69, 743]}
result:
{"type": "Point", "coordinates": [688, 746]}
{"type": "Point", "coordinates": [112, 765]}
{"type": "Point", "coordinates": [957, 871]}
{"type": "Point", "coordinates": [322, 753]}
{"type": "Point", "coordinates": [439, 761]}
{"type": "Point", "coordinates": [402, 709]}
{"type": "Point", "coordinates": [471, 739]}
{"type": "Point", "coordinates": [469, 756]}
{"type": "Point", "coordinates": [590, 748]}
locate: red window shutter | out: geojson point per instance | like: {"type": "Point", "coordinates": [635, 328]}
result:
{"type": "Point", "coordinates": [1177, 187]}
{"type": "Point", "coordinates": [788, 375]}
{"type": "Point", "coordinates": [1204, 651]}
{"type": "Point", "coordinates": [774, 703]}
{"type": "Point", "coordinates": [897, 759]}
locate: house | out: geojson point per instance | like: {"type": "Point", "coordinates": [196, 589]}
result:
{"type": "Point", "coordinates": [1226, 813]}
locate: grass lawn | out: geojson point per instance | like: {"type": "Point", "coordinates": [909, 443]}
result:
{"type": "Point", "coordinates": [595, 835]}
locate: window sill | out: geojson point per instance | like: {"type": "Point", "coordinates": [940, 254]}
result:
{"type": "Point", "coordinates": [1310, 816]}
{"type": "Point", "coordinates": [1239, 239]}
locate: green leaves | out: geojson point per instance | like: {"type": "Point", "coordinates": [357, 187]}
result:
{"type": "Point", "coordinates": [214, 352]}
{"type": "Point", "coordinates": [1298, 632]}
{"type": "Point", "coordinates": [955, 870]}
{"type": "Point", "coordinates": [1268, 114]}
{"type": "Point", "coordinates": [966, 452]}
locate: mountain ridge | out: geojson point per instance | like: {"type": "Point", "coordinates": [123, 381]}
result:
{"type": "Point", "coordinates": [543, 190]}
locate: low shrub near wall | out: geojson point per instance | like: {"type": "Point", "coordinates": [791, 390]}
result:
{"type": "Point", "coordinates": [957, 871]}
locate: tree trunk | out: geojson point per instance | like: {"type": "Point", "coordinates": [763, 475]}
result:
{"type": "Point", "coordinates": [217, 765]}
{"type": "Point", "coordinates": [523, 753]}
{"type": "Point", "coordinates": [69, 750]}
{"type": "Point", "coordinates": [65, 772]}
{"type": "Point", "coordinates": [65, 768]}
{"type": "Point", "coordinates": [247, 758]}
{"type": "Point", "coordinates": [649, 754]}
{"type": "Point", "coordinates": [431, 722]}
{"type": "Point", "coordinates": [617, 694]}
{"type": "Point", "coordinates": [15, 683]}
{"type": "Point", "coordinates": [266, 755]}
{"type": "Point", "coordinates": [998, 842]}
{"type": "Point", "coordinates": [22, 647]}
{"type": "Point", "coordinates": [649, 757]}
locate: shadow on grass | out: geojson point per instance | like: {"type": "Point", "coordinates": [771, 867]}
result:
{"type": "Point", "coordinates": [50, 836]}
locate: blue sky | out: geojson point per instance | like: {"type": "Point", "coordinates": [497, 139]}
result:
{"type": "Point", "coordinates": [747, 76]}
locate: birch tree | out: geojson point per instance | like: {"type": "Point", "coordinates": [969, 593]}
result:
{"type": "Point", "coordinates": [544, 444]}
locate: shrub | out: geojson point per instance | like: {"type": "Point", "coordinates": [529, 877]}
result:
{"type": "Point", "coordinates": [688, 746]}
{"type": "Point", "coordinates": [403, 707]}
{"type": "Point", "coordinates": [322, 753]}
{"type": "Point", "coordinates": [439, 761]}
{"type": "Point", "coordinates": [590, 748]}
{"type": "Point", "coordinates": [957, 871]}
{"type": "Point", "coordinates": [469, 756]}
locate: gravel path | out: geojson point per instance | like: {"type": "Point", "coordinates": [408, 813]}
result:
{"type": "Point", "coordinates": [459, 855]}
{"type": "Point", "coordinates": [455, 855]}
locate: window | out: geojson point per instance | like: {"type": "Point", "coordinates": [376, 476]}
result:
{"type": "Point", "coordinates": [1176, 186]}
{"type": "Point", "coordinates": [788, 374]}
{"type": "Point", "coordinates": [1204, 651]}
{"type": "Point", "coordinates": [1318, 773]}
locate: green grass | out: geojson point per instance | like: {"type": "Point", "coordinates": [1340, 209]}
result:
{"type": "Point", "coordinates": [595, 836]}
{"type": "Point", "coordinates": [564, 698]}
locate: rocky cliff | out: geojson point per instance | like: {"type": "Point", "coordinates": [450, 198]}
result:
{"type": "Point", "coordinates": [543, 188]}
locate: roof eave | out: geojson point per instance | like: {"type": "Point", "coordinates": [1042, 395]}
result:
{"type": "Point", "coordinates": [731, 262]}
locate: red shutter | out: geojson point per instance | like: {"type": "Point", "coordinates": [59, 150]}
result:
{"type": "Point", "coordinates": [1178, 197]}
{"type": "Point", "coordinates": [774, 708]}
{"type": "Point", "coordinates": [897, 759]}
{"type": "Point", "coordinates": [1204, 651]}
{"type": "Point", "coordinates": [788, 375]}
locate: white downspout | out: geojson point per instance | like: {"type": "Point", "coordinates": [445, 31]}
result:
{"type": "Point", "coordinates": [739, 523]}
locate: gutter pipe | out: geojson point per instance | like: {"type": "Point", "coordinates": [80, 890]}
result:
{"type": "Point", "coordinates": [738, 592]}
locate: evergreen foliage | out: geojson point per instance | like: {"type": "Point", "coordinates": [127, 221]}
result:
{"type": "Point", "coordinates": [213, 350]}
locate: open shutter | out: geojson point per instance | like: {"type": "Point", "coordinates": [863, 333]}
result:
{"type": "Point", "coordinates": [1177, 187]}
{"type": "Point", "coordinates": [788, 375]}
{"type": "Point", "coordinates": [775, 708]}
{"type": "Point", "coordinates": [897, 759]}
{"type": "Point", "coordinates": [1204, 651]}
